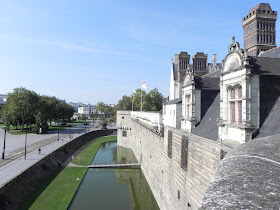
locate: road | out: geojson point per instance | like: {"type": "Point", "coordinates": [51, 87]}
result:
{"type": "Point", "coordinates": [15, 144]}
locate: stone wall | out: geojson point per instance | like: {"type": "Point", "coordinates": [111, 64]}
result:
{"type": "Point", "coordinates": [17, 190]}
{"type": "Point", "coordinates": [174, 185]}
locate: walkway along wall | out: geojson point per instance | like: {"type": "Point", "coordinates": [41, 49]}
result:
{"type": "Point", "coordinates": [17, 190]}
{"type": "Point", "coordinates": [177, 166]}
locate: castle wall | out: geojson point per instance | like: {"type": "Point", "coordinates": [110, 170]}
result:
{"type": "Point", "coordinates": [175, 186]}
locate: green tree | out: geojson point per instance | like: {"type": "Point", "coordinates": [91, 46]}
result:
{"type": "Point", "coordinates": [153, 100]}
{"type": "Point", "coordinates": [103, 122]}
{"type": "Point", "coordinates": [125, 103]}
{"type": "Point", "coordinates": [21, 107]}
{"type": "Point", "coordinates": [100, 107]}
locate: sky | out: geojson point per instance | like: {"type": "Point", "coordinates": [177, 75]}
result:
{"type": "Point", "coordinates": [93, 51]}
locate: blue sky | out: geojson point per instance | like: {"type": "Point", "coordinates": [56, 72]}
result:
{"type": "Point", "coordinates": [92, 51]}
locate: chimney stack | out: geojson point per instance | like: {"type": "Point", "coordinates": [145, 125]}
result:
{"type": "Point", "coordinates": [214, 60]}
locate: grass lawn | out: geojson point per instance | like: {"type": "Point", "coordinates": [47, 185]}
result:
{"type": "Point", "coordinates": [82, 121]}
{"type": "Point", "coordinates": [58, 127]}
{"type": "Point", "coordinates": [85, 156]}
{"type": "Point", "coordinates": [57, 191]}
{"type": "Point", "coordinates": [15, 131]}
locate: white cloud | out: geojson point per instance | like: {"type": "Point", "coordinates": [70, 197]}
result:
{"type": "Point", "coordinates": [67, 45]}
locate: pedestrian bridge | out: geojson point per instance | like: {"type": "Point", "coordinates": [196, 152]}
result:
{"type": "Point", "coordinates": [129, 165]}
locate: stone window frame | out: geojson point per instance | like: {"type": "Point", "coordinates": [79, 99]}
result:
{"type": "Point", "coordinates": [124, 133]}
{"type": "Point", "coordinates": [188, 106]}
{"type": "Point", "coordinates": [234, 93]}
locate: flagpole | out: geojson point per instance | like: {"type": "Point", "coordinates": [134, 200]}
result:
{"type": "Point", "coordinates": [141, 99]}
{"type": "Point", "coordinates": [132, 100]}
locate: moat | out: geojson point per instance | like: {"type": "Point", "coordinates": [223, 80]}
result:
{"type": "Point", "coordinates": [114, 188]}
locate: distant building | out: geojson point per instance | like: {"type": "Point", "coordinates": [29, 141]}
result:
{"type": "Point", "coordinates": [87, 110]}
{"type": "Point", "coordinates": [76, 105]}
{"type": "Point", "coordinates": [3, 99]}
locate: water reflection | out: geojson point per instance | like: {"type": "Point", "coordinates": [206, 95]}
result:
{"type": "Point", "coordinates": [114, 188]}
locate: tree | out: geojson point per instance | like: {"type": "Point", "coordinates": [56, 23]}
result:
{"type": "Point", "coordinates": [27, 107]}
{"type": "Point", "coordinates": [100, 107]}
{"type": "Point", "coordinates": [103, 122]}
{"type": "Point", "coordinates": [151, 101]}
{"type": "Point", "coordinates": [20, 107]}
{"type": "Point", "coordinates": [125, 103]}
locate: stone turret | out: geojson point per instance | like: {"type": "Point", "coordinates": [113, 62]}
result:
{"type": "Point", "coordinates": [200, 64]}
{"type": "Point", "coordinates": [259, 29]}
{"type": "Point", "coordinates": [182, 60]}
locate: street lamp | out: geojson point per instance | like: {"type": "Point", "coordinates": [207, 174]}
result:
{"type": "Point", "coordinates": [3, 154]}
{"type": "Point", "coordinates": [58, 131]}
{"type": "Point", "coordinates": [25, 144]}
{"type": "Point", "coordinates": [70, 131]}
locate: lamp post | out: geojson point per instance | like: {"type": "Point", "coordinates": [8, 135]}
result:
{"type": "Point", "coordinates": [25, 144]}
{"type": "Point", "coordinates": [3, 154]}
{"type": "Point", "coordinates": [58, 131]}
{"type": "Point", "coordinates": [70, 131]}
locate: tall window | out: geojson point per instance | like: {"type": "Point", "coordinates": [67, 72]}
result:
{"type": "Point", "coordinates": [235, 105]}
{"type": "Point", "coordinates": [188, 106]}
{"type": "Point", "coordinates": [124, 133]}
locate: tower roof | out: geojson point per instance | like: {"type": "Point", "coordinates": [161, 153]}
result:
{"type": "Point", "coordinates": [262, 10]}
{"type": "Point", "coordinates": [261, 6]}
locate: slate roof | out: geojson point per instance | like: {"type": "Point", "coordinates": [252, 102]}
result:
{"type": "Point", "coordinates": [265, 65]}
{"type": "Point", "coordinates": [207, 83]}
{"type": "Point", "coordinates": [247, 178]}
{"type": "Point", "coordinates": [210, 83]}
{"type": "Point", "coordinates": [271, 124]}
{"type": "Point", "coordinates": [208, 127]}
{"type": "Point", "coordinates": [272, 53]}
{"type": "Point", "coordinates": [174, 101]}
{"type": "Point", "coordinates": [214, 74]}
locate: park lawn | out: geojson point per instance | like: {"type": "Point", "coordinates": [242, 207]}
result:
{"type": "Point", "coordinates": [58, 190]}
{"type": "Point", "coordinates": [58, 127]}
{"type": "Point", "coordinates": [86, 155]}
{"type": "Point", "coordinates": [82, 121]}
{"type": "Point", "coordinates": [15, 131]}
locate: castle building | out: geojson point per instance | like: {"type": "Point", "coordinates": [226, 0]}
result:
{"type": "Point", "coordinates": [259, 29]}
{"type": "Point", "coordinates": [216, 143]}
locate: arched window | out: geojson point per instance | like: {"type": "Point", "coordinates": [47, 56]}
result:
{"type": "Point", "coordinates": [235, 104]}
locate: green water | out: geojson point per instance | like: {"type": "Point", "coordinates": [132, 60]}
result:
{"type": "Point", "coordinates": [114, 188]}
